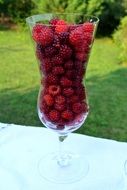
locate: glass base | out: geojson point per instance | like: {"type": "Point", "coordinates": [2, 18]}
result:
{"type": "Point", "coordinates": [50, 169]}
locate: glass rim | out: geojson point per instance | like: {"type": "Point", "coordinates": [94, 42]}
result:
{"type": "Point", "coordinates": [29, 19]}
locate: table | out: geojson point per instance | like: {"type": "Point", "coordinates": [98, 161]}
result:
{"type": "Point", "coordinates": [21, 148]}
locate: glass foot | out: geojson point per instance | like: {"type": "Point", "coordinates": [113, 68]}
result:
{"type": "Point", "coordinates": [76, 168]}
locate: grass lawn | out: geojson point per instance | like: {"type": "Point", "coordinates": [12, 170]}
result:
{"type": "Point", "coordinates": [106, 83]}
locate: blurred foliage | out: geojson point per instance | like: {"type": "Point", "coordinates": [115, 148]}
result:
{"type": "Point", "coordinates": [120, 37]}
{"type": "Point", "coordinates": [109, 11]}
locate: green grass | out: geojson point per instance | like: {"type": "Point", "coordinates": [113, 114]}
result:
{"type": "Point", "coordinates": [106, 83]}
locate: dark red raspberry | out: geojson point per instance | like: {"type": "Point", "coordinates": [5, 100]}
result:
{"type": "Point", "coordinates": [69, 64]}
{"type": "Point", "coordinates": [59, 107]}
{"type": "Point", "coordinates": [57, 70]}
{"type": "Point", "coordinates": [77, 107]}
{"type": "Point", "coordinates": [56, 42]}
{"type": "Point", "coordinates": [46, 65]}
{"type": "Point", "coordinates": [42, 34]}
{"type": "Point", "coordinates": [71, 74]}
{"type": "Point", "coordinates": [72, 27]}
{"type": "Point", "coordinates": [50, 51]}
{"type": "Point", "coordinates": [88, 27]}
{"type": "Point", "coordinates": [85, 107]}
{"type": "Point", "coordinates": [68, 91]}
{"type": "Point", "coordinates": [65, 51]}
{"type": "Point", "coordinates": [57, 60]}
{"type": "Point", "coordinates": [80, 91]}
{"type": "Point", "coordinates": [54, 115]}
{"type": "Point", "coordinates": [54, 90]}
{"type": "Point", "coordinates": [60, 99]}
{"type": "Point", "coordinates": [51, 79]}
{"type": "Point", "coordinates": [64, 81]}
{"type": "Point", "coordinates": [48, 99]}
{"type": "Point", "coordinates": [61, 26]}
{"type": "Point", "coordinates": [63, 37]}
{"type": "Point", "coordinates": [67, 115]}
{"type": "Point", "coordinates": [76, 37]}
{"type": "Point", "coordinates": [88, 37]}
{"type": "Point", "coordinates": [39, 52]}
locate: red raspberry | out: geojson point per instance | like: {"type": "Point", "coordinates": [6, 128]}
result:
{"type": "Point", "coordinates": [88, 37]}
{"type": "Point", "coordinates": [69, 64]}
{"type": "Point", "coordinates": [60, 99]}
{"type": "Point", "coordinates": [46, 65]}
{"type": "Point", "coordinates": [85, 107]}
{"type": "Point", "coordinates": [57, 70]}
{"type": "Point", "coordinates": [48, 99]}
{"type": "Point", "coordinates": [50, 51]}
{"type": "Point", "coordinates": [59, 107]}
{"type": "Point", "coordinates": [67, 115]}
{"type": "Point", "coordinates": [53, 21]}
{"type": "Point", "coordinates": [57, 60]}
{"type": "Point", "coordinates": [51, 79]}
{"type": "Point", "coordinates": [68, 91]}
{"type": "Point", "coordinates": [80, 91]}
{"type": "Point", "coordinates": [73, 99]}
{"type": "Point", "coordinates": [54, 90]}
{"type": "Point", "coordinates": [54, 115]}
{"type": "Point", "coordinates": [81, 56]}
{"type": "Point", "coordinates": [65, 51]}
{"type": "Point", "coordinates": [44, 107]}
{"type": "Point", "coordinates": [63, 37]}
{"type": "Point", "coordinates": [61, 26]}
{"type": "Point", "coordinates": [42, 34]}
{"type": "Point", "coordinates": [76, 37]}
{"type": "Point", "coordinates": [64, 81]}
{"type": "Point", "coordinates": [88, 27]}
{"type": "Point", "coordinates": [77, 107]}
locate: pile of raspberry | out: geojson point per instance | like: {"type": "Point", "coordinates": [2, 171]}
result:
{"type": "Point", "coordinates": [62, 50]}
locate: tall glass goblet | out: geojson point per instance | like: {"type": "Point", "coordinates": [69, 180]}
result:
{"type": "Point", "coordinates": [62, 44]}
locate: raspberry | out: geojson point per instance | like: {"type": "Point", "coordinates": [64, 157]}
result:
{"type": "Point", "coordinates": [53, 21]}
{"type": "Point", "coordinates": [59, 107]}
{"type": "Point", "coordinates": [76, 37]}
{"type": "Point", "coordinates": [44, 107]}
{"type": "Point", "coordinates": [60, 99]}
{"type": "Point", "coordinates": [61, 26]}
{"type": "Point", "coordinates": [71, 73]}
{"type": "Point", "coordinates": [85, 107]}
{"type": "Point", "coordinates": [46, 65]}
{"type": "Point", "coordinates": [56, 42]}
{"type": "Point", "coordinates": [65, 51]}
{"type": "Point", "coordinates": [74, 99]}
{"type": "Point", "coordinates": [80, 91]}
{"type": "Point", "coordinates": [69, 64]}
{"type": "Point", "coordinates": [88, 27]}
{"type": "Point", "coordinates": [65, 82]}
{"type": "Point", "coordinates": [80, 56]}
{"type": "Point", "coordinates": [58, 70]}
{"type": "Point", "coordinates": [57, 60]}
{"type": "Point", "coordinates": [68, 91]}
{"type": "Point", "coordinates": [88, 38]}
{"type": "Point", "coordinates": [39, 52]}
{"type": "Point", "coordinates": [50, 51]}
{"type": "Point", "coordinates": [51, 79]}
{"type": "Point", "coordinates": [77, 107]}
{"type": "Point", "coordinates": [54, 115]}
{"type": "Point", "coordinates": [63, 37]}
{"type": "Point", "coordinates": [42, 34]}
{"type": "Point", "coordinates": [67, 114]}
{"type": "Point", "coordinates": [54, 90]}
{"type": "Point", "coordinates": [48, 99]}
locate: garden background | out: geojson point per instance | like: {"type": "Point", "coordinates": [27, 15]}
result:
{"type": "Point", "coordinates": [106, 78]}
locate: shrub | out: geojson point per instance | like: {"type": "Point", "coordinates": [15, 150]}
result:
{"type": "Point", "coordinates": [120, 37]}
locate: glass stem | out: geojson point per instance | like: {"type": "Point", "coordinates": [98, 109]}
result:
{"type": "Point", "coordinates": [63, 158]}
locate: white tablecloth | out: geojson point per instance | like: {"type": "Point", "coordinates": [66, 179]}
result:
{"type": "Point", "coordinates": [22, 147]}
